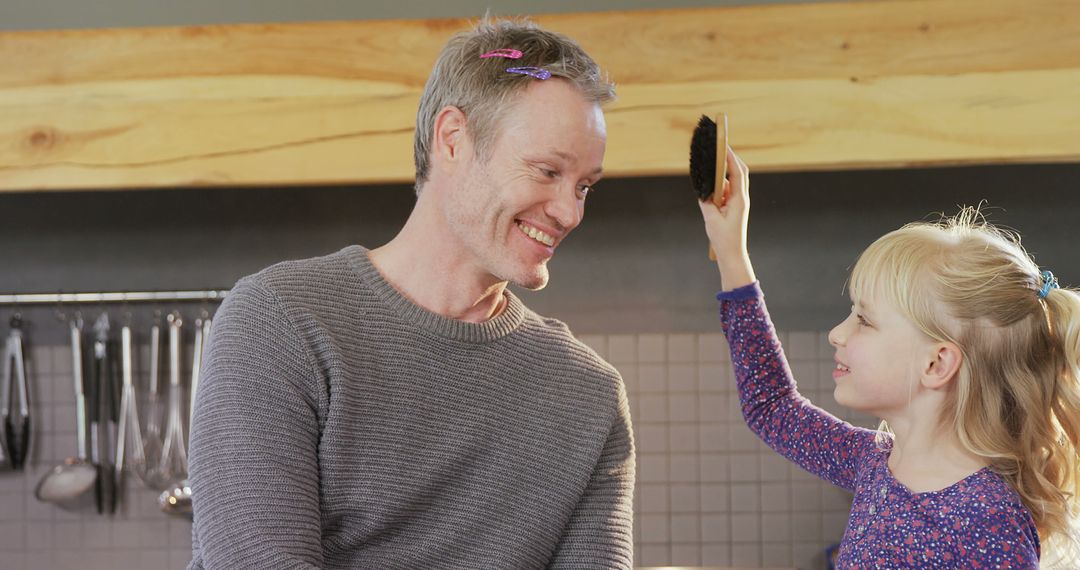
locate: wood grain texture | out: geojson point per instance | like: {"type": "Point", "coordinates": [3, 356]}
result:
{"type": "Point", "coordinates": [806, 86]}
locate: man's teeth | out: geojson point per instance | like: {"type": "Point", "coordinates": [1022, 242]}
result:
{"type": "Point", "coordinates": [537, 235]}
{"type": "Point", "coordinates": [842, 367]}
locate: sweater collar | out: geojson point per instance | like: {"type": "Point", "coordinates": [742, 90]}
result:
{"type": "Point", "coordinates": [503, 324]}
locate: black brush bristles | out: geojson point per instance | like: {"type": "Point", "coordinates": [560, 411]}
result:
{"type": "Point", "coordinates": [703, 158]}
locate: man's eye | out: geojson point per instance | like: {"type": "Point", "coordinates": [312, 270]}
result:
{"type": "Point", "coordinates": [583, 191]}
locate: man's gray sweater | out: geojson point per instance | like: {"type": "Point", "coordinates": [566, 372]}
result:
{"type": "Point", "coordinates": [340, 425]}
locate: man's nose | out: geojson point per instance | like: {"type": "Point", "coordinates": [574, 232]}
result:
{"type": "Point", "coordinates": [565, 208]}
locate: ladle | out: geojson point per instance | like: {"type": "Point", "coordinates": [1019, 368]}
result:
{"type": "Point", "coordinates": [177, 499]}
{"type": "Point", "coordinates": [75, 476]}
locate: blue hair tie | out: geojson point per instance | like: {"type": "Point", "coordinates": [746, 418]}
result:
{"type": "Point", "coordinates": [1049, 282]}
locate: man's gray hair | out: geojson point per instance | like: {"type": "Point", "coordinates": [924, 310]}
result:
{"type": "Point", "coordinates": [482, 88]}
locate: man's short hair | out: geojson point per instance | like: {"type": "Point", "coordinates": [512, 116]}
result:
{"type": "Point", "coordinates": [482, 88]}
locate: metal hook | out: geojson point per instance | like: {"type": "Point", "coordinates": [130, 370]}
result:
{"type": "Point", "coordinates": [175, 319]}
{"type": "Point", "coordinates": [101, 327]}
{"type": "Point", "coordinates": [60, 314]}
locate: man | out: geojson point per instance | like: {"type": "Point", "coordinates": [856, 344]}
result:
{"type": "Point", "coordinates": [399, 407]}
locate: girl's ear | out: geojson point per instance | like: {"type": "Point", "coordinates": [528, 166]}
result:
{"type": "Point", "coordinates": [943, 366]}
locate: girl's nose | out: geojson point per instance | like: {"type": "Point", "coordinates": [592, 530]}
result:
{"type": "Point", "coordinates": [838, 334]}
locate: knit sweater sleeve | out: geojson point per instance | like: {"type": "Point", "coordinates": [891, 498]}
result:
{"type": "Point", "coordinates": [600, 531]}
{"type": "Point", "coordinates": [771, 404]}
{"type": "Point", "coordinates": [254, 439]}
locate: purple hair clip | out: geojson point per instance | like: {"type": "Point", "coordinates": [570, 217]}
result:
{"type": "Point", "coordinates": [503, 52]}
{"type": "Point", "coordinates": [536, 72]}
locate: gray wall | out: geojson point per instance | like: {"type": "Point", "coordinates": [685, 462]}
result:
{"type": "Point", "coordinates": [48, 14]}
{"type": "Point", "coordinates": [637, 263]}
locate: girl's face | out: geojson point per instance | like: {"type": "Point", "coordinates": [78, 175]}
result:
{"type": "Point", "coordinates": [879, 358]}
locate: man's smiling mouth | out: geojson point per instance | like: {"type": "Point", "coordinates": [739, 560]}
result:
{"type": "Point", "coordinates": [536, 234]}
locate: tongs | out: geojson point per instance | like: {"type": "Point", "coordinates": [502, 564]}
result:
{"type": "Point", "coordinates": [15, 442]}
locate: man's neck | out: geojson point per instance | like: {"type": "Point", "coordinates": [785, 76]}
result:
{"type": "Point", "coordinates": [437, 276]}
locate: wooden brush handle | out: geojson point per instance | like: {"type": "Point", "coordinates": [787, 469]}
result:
{"type": "Point", "coordinates": [719, 197]}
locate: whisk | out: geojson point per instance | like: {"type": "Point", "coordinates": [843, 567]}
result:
{"type": "Point", "coordinates": [152, 443]}
{"type": "Point", "coordinates": [129, 437]}
{"type": "Point", "coordinates": [173, 462]}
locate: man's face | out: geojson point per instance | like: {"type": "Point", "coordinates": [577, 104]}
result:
{"type": "Point", "coordinates": [512, 210]}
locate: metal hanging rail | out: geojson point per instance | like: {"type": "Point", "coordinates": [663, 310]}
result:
{"type": "Point", "coordinates": [124, 297]}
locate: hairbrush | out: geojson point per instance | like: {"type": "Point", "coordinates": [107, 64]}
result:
{"type": "Point", "coordinates": [708, 161]}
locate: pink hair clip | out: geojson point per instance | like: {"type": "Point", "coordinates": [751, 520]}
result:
{"type": "Point", "coordinates": [503, 52]}
{"type": "Point", "coordinates": [536, 72]}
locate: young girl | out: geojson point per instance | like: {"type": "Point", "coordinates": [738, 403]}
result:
{"type": "Point", "coordinates": [968, 352]}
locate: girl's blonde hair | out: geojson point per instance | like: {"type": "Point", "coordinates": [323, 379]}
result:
{"type": "Point", "coordinates": [1016, 400]}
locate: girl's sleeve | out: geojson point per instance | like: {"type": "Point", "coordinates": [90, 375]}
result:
{"type": "Point", "coordinates": [771, 404]}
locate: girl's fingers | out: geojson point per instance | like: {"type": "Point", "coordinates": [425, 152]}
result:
{"type": "Point", "coordinates": [738, 178]}
{"type": "Point", "coordinates": [726, 191]}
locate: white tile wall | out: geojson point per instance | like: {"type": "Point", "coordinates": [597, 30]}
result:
{"type": "Point", "coordinates": [42, 536]}
{"type": "Point", "coordinates": [708, 492]}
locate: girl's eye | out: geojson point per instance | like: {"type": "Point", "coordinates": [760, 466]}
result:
{"type": "Point", "coordinates": [862, 321]}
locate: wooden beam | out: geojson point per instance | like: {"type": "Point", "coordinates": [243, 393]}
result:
{"type": "Point", "coordinates": [806, 86]}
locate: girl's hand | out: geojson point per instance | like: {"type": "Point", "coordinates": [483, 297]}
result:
{"type": "Point", "coordinates": [726, 225]}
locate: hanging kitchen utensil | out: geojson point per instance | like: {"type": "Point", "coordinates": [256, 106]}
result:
{"type": "Point", "coordinates": [105, 431]}
{"type": "Point", "coordinates": [152, 434]}
{"type": "Point", "coordinates": [176, 500]}
{"type": "Point", "coordinates": [173, 464]}
{"type": "Point", "coordinates": [203, 343]}
{"type": "Point", "coordinates": [75, 476]}
{"type": "Point", "coordinates": [206, 336]}
{"type": "Point", "coordinates": [129, 443]}
{"type": "Point", "coordinates": [196, 366]}
{"type": "Point", "coordinates": [94, 414]}
{"type": "Point", "coordinates": [15, 436]}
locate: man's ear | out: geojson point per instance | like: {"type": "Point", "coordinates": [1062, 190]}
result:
{"type": "Point", "coordinates": [450, 137]}
{"type": "Point", "coordinates": [943, 365]}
